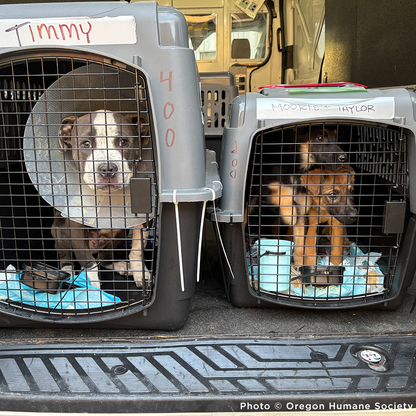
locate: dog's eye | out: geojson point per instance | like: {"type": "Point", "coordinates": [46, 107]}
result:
{"type": "Point", "coordinates": [86, 144]}
{"type": "Point", "coordinates": [332, 196]}
{"type": "Point", "coordinates": [123, 142]}
{"type": "Point", "coordinates": [320, 138]}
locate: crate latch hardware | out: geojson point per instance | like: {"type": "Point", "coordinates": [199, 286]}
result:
{"type": "Point", "coordinates": [394, 216]}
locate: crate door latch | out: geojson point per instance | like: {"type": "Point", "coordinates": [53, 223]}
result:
{"type": "Point", "coordinates": [394, 216]}
{"type": "Point", "coordinates": [141, 195]}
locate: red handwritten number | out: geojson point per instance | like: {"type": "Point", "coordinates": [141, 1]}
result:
{"type": "Point", "coordinates": [234, 162]}
{"type": "Point", "coordinates": [170, 138]}
{"type": "Point", "coordinates": [168, 111]}
{"type": "Point", "coordinates": [169, 78]}
{"type": "Point", "coordinates": [172, 109]}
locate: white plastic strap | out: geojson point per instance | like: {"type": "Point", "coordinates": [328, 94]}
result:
{"type": "Point", "coordinates": [201, 231]}
{"type": "Point", "coordinates": [218, 229]}
{"type": "Point", "coordinates": [178, 234]}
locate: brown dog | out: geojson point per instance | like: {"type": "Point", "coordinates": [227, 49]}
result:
{"type": "Point", "coordinates": [328, 200]}
{"type": "Point", "coordinates": [283, 163]}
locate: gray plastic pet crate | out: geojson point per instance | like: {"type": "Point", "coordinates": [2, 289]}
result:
{"type": "Point", "coordinates": [279, 231]}
{"type": "Point", "coordinates": [61, 62]}
{"type": "Point", "coordinates": [218, 90]}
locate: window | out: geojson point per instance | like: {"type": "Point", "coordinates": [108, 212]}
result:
{"type": "Point", "coordinates": [202, 31]}
{"type": "Point", "coordinates": [248, 36]}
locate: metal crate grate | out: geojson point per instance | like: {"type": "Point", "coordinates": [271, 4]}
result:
{"type": "Point", "coordinates": [78, 187]}
{"type": "Point", "coordinates": [326, 206]}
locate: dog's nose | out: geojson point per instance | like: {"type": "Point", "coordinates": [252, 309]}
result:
{"type": "Point", "coordinates": [351, 216]}
{"type": "Point", "coordinates": [343, 158]}
{"type": "Point", "coordinates": [108, 170]}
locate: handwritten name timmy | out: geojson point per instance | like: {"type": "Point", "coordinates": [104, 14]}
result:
{"type": "Point", "coordinates": [53, 32]}
{"type": "Point", "coordinates": [367, 108]}
{"type": "Point", "coordinates": [68, 31]}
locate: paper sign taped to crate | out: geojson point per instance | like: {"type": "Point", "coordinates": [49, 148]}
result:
{"type": "Point", "coordinates": [295, 108]}
{"type": "Point", "coordinates": [68, 31]}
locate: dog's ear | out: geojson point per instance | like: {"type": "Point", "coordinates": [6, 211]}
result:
{"type": "Point", "coordinates": [351, 175]}
{"type": "Point", "coordinates": [144, 127]}
{"type": "Point", "coordinates": [312, 185]}
{"type": "Point", "coordinates": [65, 132]}
{"type": "Point", "coordinates": [348, 171]}
{"type": "Point", "coordinates": [351, 170]}
{"type": "Point", "coordinates": [304, 179]}
{"type": "Point", "coordinates": [312, 178]}
{"type": "Point", "coordinates": [331, 133]}
{"type": "Point", "coordinates": [301, 131]}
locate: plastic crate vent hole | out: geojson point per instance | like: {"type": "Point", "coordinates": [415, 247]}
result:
{"type": "Point", "coordinates": [214, 103]}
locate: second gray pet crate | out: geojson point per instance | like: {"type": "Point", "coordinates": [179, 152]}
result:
{"type": "Point", "coordinates": [217, 92]}
{"type": "Point", "coordinates": [102, 155]}
{"type": "Point", "coordinates": [319, 197]}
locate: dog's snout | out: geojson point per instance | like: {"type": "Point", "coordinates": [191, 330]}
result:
{"type": "Point", "coordinates": [352, 216]}
{"type": "Point", "coordinates": [343, 158]}
{"type": "Point", "coordinates": [108, 170]}
{"type": "Point", "coordinates": [349, 216]}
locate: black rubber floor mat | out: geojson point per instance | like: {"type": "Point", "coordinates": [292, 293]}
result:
{"type": "Point", "coordinates": [210, 375]}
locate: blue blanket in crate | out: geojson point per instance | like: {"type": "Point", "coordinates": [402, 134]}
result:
{"type": "Point", "coordinates": [83, 296]}
{"type": "Point", "coordinates": [362, 276]}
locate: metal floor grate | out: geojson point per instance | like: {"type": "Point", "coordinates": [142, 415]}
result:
{"type": "Point", "coordinates": [206, 375]}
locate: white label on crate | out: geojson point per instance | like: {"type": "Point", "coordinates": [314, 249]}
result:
{"type": "Point", "coordinates": [295, 108]}
{"type": "Point", "coordinates": [68, 31]}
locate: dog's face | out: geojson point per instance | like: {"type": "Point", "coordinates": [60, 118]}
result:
{"type": "Point", "coordinates": [332, 192]}
{"type": "Point", "coordinates": [318, 146]}
{"type": "Point", "coordinates": [104, 146]}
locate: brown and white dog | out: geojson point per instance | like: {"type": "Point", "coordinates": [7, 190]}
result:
{"type": "Point", "coordinates": [104, 146]}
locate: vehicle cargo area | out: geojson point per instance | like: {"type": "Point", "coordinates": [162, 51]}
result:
{"type": "Point", "coordinates": [197, 216]}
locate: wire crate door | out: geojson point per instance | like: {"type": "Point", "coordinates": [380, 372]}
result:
{"type": "Point", "coordinates": [326, 210]}
{"type": "Point", "coordinates": [74, 133]}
